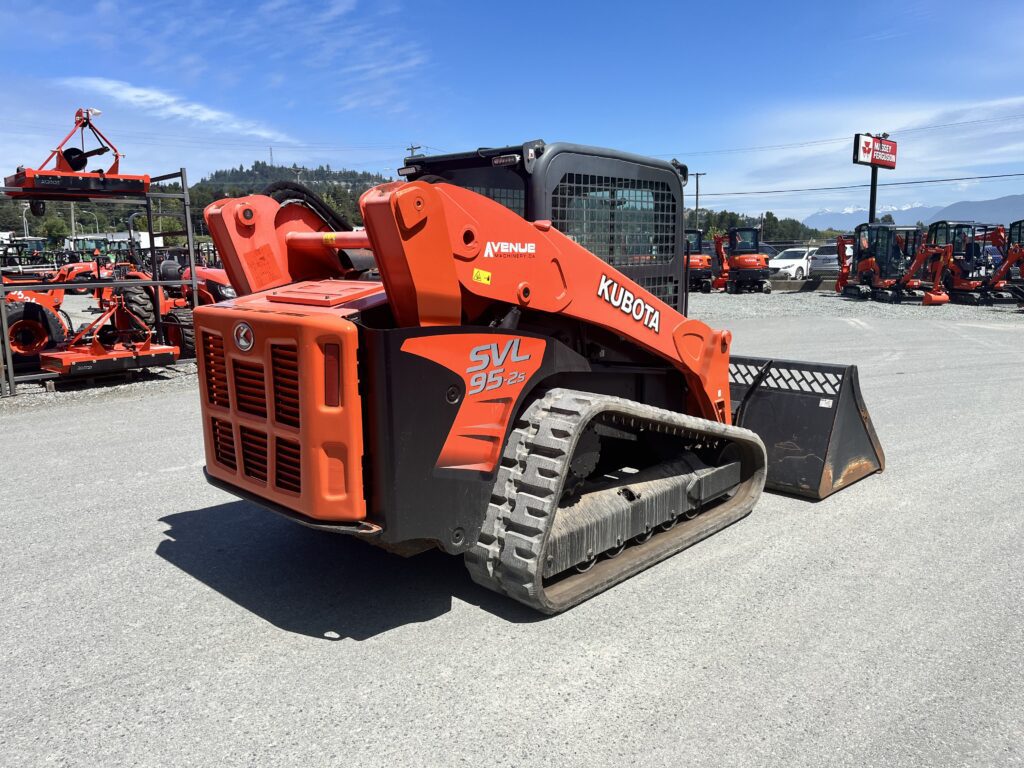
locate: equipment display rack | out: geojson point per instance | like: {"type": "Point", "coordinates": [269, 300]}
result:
{"type": "Point", "coordinates": [9, 378]}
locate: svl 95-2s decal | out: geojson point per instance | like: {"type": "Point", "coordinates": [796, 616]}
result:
{"type": "Point", "coordinates": [494, 368]}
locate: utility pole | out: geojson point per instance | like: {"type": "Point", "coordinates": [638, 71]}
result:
{"type": "Point", "coordinates": [271, 155]}
{"type": "Point", "coordinates": [874, 194]}
{"type": "Point", "coordinates": [696, 200]}
{"type": "Point", "coordinates": [24, 217]}
{"type": "Point", "coordinates": [73, 229]}
{"type": "Point", "coordinates": [412, 149]}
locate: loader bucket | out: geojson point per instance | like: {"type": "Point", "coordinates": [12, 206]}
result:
{"type": "Point", "coordinates": [812, 420]}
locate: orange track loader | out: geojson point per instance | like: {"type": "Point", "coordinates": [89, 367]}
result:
{"type": "Point", "coordinates": [503, 393]}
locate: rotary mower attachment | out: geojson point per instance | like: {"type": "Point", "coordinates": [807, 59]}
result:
{"type": "Point", "coordinates": [123, 344]}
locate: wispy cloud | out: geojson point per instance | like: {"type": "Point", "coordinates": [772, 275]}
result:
{"type": "Point", "coordinates": [936, 140]}
{"type": "Point", "coordinates": [163, 104]}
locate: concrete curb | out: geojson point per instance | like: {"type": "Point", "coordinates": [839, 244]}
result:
{"type": "Point", "coordinates": [804, 286]}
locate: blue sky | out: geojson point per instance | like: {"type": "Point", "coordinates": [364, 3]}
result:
{"type": "Point", "coordinates": [210, 85]}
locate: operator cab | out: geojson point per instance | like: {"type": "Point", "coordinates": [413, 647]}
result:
{"type": "Point", "coordinates": [955, 233]}
{"type": "Point", "coordinates": [982, 254]}
{"type": "Point", "coordinates": [968, 240]}
{"type": "Point", "coordinates": [1015, 234]}
{"type": "Point", "coordinates": [624, 208]}
{"type": "Point", "coordinates": [743, 240]}
{"type": "Point", "coordinates": [893, 248]}
{"type": "Point", "coordinates": [695, 240]}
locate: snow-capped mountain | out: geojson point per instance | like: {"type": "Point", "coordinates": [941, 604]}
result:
{"type": "Point", "coordinates": [1001, 210]}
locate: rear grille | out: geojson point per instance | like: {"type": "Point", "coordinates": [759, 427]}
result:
{"type": "Point", "coordinates": [254, 453]}
{"type": "Point", "coordinates": [250, 388]}
{"type": "Point", "coordinates": [216, 371]}
{"type": "Point", "coordinates": [289, 471]}
{"type": "Point", "coordinates": [284, 362]}
{"type": "Point", "coordinates": [223, 443]}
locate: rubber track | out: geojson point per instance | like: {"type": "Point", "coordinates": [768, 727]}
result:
{"type": "Point", "coordinates": [509, 554]}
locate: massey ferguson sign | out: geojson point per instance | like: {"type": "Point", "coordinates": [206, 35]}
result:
{"type": "Point", "coordinates": [871, 150]}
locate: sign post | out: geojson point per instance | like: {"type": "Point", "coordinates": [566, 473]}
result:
{"type": "Point", "coordinates": [877, 152]}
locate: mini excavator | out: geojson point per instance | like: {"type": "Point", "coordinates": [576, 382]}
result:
{"type": "Point", "coordinates": [744, 269]}
{"type": "Point", "coordinates": [700, 273]}
{"type": "Point", "coordinates": [886, 263]}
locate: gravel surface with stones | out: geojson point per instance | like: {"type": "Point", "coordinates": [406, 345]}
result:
{"type": "Point", "coordinates": [149, 619]}
{"type": "Point", "coordinates": [713, 306]}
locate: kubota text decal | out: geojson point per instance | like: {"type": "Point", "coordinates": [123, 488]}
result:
{"type": "Point", "coordinates": [622, 298]}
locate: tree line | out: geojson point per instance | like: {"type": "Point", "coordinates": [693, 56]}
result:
{"type": "Point", "coordinates": [772, 227]}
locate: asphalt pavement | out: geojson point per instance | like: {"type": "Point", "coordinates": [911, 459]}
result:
{"type": "Point", "coordinates": [149, 619]}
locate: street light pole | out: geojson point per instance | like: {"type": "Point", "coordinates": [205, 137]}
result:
{"type": "Point", "coordinates": [95, 218]}
{"type": "Point", "coordinates": [24, 218]}
{"type": "Point", "coordinates": [696, 200]}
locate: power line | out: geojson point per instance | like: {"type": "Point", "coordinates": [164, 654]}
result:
{"type": "Point", "coordinates": [864, 186]}
{"type": "Point", "coordinates": [838, 139]}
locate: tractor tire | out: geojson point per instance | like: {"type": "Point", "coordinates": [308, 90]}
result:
{"type": "Point", "coordinates": [81, 291]}
{"type": "Point", "coordinates": [730, 288]}
{"type": "Point", "coordinates": [181, 332]}
{"type": "Point", "coordinates": [766, 288]}
{"type": "Point", "coordinates": [705, 286]}
{"type": "Point", "coordinates": [32, 328]}
{"type": "Point", "coordinates": [139, 302]}
{"type": "Point", "coordinates": [67, 322]}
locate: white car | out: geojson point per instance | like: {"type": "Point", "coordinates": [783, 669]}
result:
{"type": "Point", "coordinates": [792, 264]}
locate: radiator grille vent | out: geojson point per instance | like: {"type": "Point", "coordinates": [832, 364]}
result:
{"type": "Point", "coordinates": [250, 388]}
{"type": "Point", "coordinates": [216, 371]}
{"type": "Point", "coordinates": [284, 361]}
{"type": "Point", "coordinates": [289, 469]}
{"type": "Point", "coordinates": [223, 443]}
{"type": "Point", "coordinates": [254, 453]}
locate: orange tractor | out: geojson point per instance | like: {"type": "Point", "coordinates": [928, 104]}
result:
{"type": "Point", "coordinates": [502, 393]}
{"type": "Point", "coordinates": [35, 320]}
{"type": "Point", "coordinates": [744, 269]}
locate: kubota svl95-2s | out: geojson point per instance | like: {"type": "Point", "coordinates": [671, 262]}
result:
{"type": "Point", "coordinates": [504, 393]}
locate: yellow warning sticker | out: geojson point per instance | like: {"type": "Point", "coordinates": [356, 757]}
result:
{"type": "Point", "coordinates": [329, 238]}
{"type": "Point", "coordinates": [482, 276]}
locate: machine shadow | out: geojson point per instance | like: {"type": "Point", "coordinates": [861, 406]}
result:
{"type": "Point", "coordinates": [319, 584]}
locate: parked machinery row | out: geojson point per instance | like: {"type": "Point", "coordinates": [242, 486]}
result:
{"type": "Point", "coordinates": [963, 262]}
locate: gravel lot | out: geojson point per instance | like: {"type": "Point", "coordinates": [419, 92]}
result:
{"type": "Point", "coordinates": [149, 619]}
{"type": "Point", "coordinates": [719, 308]}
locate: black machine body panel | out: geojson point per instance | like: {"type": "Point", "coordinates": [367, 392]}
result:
{"type": "Point", "coordinates": [414, 405]}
